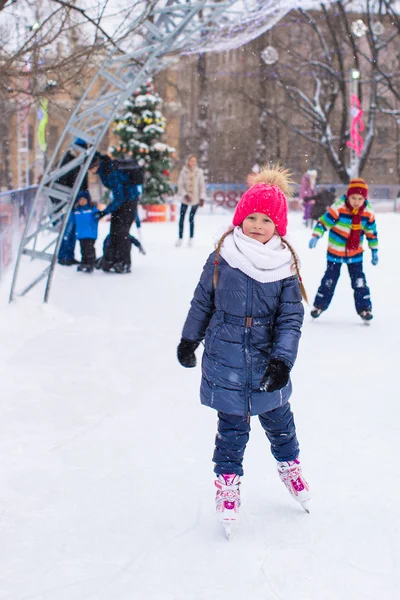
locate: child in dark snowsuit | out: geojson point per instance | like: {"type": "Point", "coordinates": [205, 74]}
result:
{"type": "Point", "coordinates": [348, 220]}
{"type": "Point", "coordinates": [247, 307]}
{"type": "Point", "coordinates": [104, 261]}
{"type": "Point", "coordinates": [86, 225]}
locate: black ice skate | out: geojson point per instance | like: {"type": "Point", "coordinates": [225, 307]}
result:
{"type": "Point", "coordinates": [366, 316]}
{"type": "Point", "coordinates": [68, 262]}
{"type": "Point", "coordinates": [316, 312]}
{"type": "Point", "coordinates": [120, 267]}
{"type": "Point", "coordinates": [85, 268]}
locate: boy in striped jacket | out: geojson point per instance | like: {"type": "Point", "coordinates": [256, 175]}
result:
{"type": "Point", "coordinates": [349, 220]}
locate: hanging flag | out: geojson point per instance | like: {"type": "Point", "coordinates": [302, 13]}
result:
{"type": "Point", "coordinates": [356, 142]}
{"type": "Point", "coordinates": [43, 118]}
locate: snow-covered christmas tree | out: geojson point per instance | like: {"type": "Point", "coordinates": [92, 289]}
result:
{"type": "Point", "coordinates": [140, 126]}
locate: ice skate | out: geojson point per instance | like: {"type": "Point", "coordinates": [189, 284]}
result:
{"type": "Point", "coordinates": [291, 475]}
{"type": "Point", "coordinates": [366, 316]}
{"type": "Point", "coordinates": [68, 262]}
{"type": "Point", "coordinates": [98, 263]}
{"type": "Point", "coordinates": [227, 500]}
{"type": "Point", "coordinates": [120, 267]}
{"type": "Point", "coordinates": [178, 242]}
{"type": "Point", "coordinates": [190, 243]}
{"type": "Point", "coordinates": [316, 312]}
{"type": "Point", "coordinates": [141, 250]}
{"type": "Point", "coordinates": [85, 268]}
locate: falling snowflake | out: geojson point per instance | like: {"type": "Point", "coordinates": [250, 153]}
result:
{"type": "Point", "coordinates": [359, 28]}
{"type": "Point", "coordinates": [270, 55]}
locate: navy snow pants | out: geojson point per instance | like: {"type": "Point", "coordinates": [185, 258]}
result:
{"type": "Point", "coordinates": [233, 435]}
{"type": "Point", "coordinates": [362, 297]}
{"type": "Point", "coordinates": [192, 214]}
{"type": "Point", "coordinates": [67, 246]}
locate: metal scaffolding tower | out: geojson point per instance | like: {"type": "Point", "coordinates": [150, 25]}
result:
{"type": "Point", "coordinates": [169, 29]}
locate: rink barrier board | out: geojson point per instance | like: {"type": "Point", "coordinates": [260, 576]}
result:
{"type": "Point", "coordinates": [15, 206]}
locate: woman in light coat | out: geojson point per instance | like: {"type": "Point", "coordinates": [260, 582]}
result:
{"type": "Point", "coordinates": [192, 192]}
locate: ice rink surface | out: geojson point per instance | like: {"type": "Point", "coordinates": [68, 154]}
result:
{"type": "Point", "coordinates": [106, 482]}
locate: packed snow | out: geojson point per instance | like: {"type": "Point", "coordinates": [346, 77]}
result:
{"type": "Point", "coordinates": [106, 482]}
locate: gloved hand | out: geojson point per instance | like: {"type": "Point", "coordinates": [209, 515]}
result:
{"type": "Point", "coordinates": [99, 215]}
{"type": "Point", "coordinates": [313, 242]}
{"type": "Point", "coordinates": [185, 353]}
{"type": "Point", "coordinates": [375, 258]}
{"type": "Point", "coordinates": [275, 377]}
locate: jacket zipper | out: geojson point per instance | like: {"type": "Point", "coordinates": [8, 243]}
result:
{"type": "Point", "coordinates": [247, 331]}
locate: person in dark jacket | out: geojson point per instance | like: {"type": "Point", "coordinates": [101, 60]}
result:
{"type": "Point", "coordinates": [322, 201]}
{"type": "Point", "coordinates": [66, 254]}
{"type": "Point", "coordinates": [86, 226]}
{"type": "Point", "coordinates": [123, 210]}
{"type": "Point", "coordinates": [247, 307]}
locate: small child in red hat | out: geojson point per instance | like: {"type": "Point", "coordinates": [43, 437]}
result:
{"type": "Point", "coordinates": [349, 220]}
{"type": "Point", "coordinates": [248, 309]}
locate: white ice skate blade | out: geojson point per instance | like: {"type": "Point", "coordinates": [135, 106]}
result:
{"type": "Point", "coordinates": [228, 527]}
{"type": "Point", "coordinates": [305, 506]}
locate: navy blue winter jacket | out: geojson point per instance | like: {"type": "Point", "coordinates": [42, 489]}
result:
{"type": "Point", "coordinates": [237, 350]}
{"type": "Point", "coordinates": [118, 183]}
{"type": "Point", "coordinates": [85, 224]}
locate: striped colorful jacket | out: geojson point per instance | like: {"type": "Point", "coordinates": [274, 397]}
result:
{"type": "Point", "coordinates": [338, 219]}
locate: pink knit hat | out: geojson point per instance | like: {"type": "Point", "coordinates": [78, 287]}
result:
{"type": "Point", "coordinates": [267, 196]}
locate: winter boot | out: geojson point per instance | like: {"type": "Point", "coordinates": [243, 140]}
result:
{"type": "Point", "coordinates": [290, 473]}
{"type": "Point", "coordinates": [120, 267]}
{"type": "Point", "coordinates": [85, 268]}
{"type": "Point", "coordinates": [227, 499]}
{"type": "Point", "coordinates": [366, 316]}
{"type": "Point", "coordinates": [316, 312]}
{"type": "Point", "coordinates": [68, 262]}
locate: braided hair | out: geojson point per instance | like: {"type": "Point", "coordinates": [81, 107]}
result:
{"type": "Point", "coordinates": [217, 254]}
{"type": "Point", "coordinates": [297, 269]}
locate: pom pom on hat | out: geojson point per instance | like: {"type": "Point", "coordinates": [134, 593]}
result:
{"type": "Point", "coordinates": [357, 186]}
{"type": "Point", "coordinates": [268, 195]}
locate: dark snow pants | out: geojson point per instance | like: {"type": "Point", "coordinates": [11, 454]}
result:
{"type": "Point", "coordinates": [362, 297]}
{"type": "Point", "coordinates": [233, 435]}
{"type": "Point", "coordinates": [121, 221]}
{"type": "Point", "coordinates": [67, 247]}
{"type": "Point", "coordinates": [193, 210]}
{"type": "Point", "coordinates": [88, 251]}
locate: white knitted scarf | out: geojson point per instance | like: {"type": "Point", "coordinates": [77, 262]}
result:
{"type": "Point", "coordinates": [265, 263]}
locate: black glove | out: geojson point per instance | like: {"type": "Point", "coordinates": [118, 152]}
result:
{"type": "Point", "coordinates": [99, 215]}
{"type": "Point", "coordinates": [185, 353]}
{"type": "Point", "coordinates": [275, 377]}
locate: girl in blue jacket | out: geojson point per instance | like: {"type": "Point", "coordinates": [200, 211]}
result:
{"type": "Point", "coordinates": [248, 309]}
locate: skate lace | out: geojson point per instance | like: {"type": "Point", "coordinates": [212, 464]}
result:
{"type": "Point", "coordinates": [294, 475]}
{"type": "Point", "coordinates": [227, 493]}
